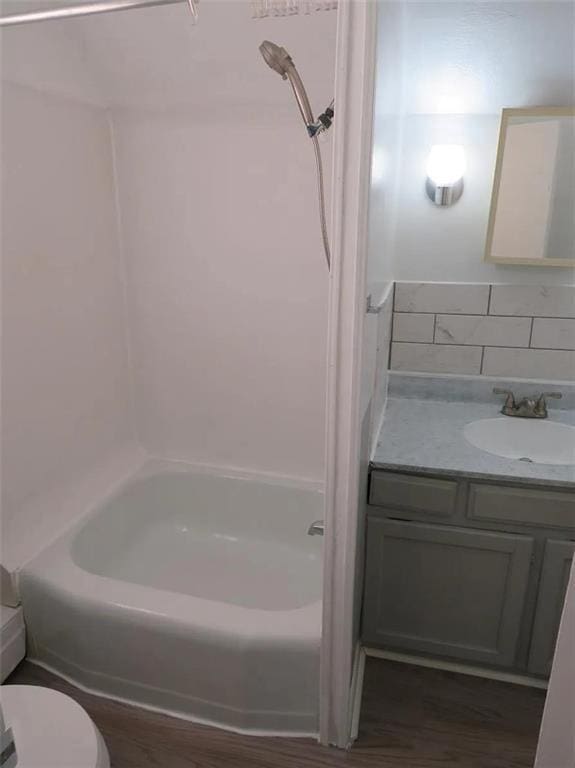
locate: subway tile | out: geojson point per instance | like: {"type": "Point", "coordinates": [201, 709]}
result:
{"type": "Point", "coordinates": [483, 330]}
{"type": "Point", "coordinates": [547, 364]}
{"type": "Point", "coordinates": [435, 358]}
{"type": "Point", "coordinates": [460, 298]}
{"type": "Point", "coordinates": [540, 301]}
{"type": "Point", "coordinates": [411, 326]}
{"type": "Point", "coordinates": [553, 334]}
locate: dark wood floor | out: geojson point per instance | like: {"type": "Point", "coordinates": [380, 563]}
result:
{"type": "Point", "coordinates": [411, 718]}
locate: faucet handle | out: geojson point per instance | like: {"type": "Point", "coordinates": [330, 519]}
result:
{"type": "Point", "coordinates": [547, 396]}
{"type": "Point", "coordinates": [553, 395]}
{"type": "Point", "coordinates": [508, 392]}
{"type": "Point", "coordinates": [541, 404]}
{"type": "Point", "coordinates": [510, 404]}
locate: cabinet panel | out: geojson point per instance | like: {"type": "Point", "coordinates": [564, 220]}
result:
{"type": "Point", "coordinates": [550, 598]}
{"type": "Point", "coordinates": [445, 591]}
{"type": "Point", "coordinates": [522, 505]}
{"type": "Point", "coordinates": [430, 495]}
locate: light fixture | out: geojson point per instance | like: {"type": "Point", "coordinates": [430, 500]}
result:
{"type": "Point", "coordinates": [445, 169]}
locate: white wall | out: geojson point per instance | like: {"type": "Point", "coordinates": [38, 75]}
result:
{"type": "Point", "coordinates": [386, 145]}
{"type": "Point", "coordinates": [228, 289]}
{"type": "Point", "coordinates": [227, 280]}
{"type": "Point", "coordinates": [65, 380]}
{"type": "Point", "coordinates": [387, 105]}
{"type": "Point", "coordinates": [459, 64]}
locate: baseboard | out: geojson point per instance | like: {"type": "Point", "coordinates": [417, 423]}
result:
{"type": "Point", "coordinates": [462, 669]}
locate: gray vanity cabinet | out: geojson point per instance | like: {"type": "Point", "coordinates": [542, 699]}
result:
{"type": "Point", "coordinates": [444, 590]}
{"type": "Point", "coordinates": [557, 563]}
{"type": "Point", "coordinates": [467, 570]}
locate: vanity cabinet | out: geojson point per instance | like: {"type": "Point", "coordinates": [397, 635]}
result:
{"type": "Point", "coordinates": [466, 570]}
{"type": "Point", "coordinates": [555, 572]}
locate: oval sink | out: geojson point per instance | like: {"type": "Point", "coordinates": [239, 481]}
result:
{"type": "Point", "coordinates": [541, 442]}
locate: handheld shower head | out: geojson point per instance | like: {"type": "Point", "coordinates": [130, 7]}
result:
{"type": "Point", "coordinates": [281, 62]}
{"type": "Point", "coordinates": [276, 57]}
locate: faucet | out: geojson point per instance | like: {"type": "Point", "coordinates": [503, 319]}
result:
{"type": "Point", "coordinates": [316, 528]}
{"type": "Point", "coordinates": [528, 407]}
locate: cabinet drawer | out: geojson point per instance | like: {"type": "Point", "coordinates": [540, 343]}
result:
{"type": "Point", "coordinates": [522, 505]}
{"type": "Point", "coordinates": [409, 492]}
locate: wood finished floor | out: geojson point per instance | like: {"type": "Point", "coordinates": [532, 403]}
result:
{"type": "Point", "coordinates": [411, 718]}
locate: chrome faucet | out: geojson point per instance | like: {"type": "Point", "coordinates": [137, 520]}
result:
{"type": "Point", "coordinates": [316, 528]}
{"type": "Point", "coordinates": [528, 407]}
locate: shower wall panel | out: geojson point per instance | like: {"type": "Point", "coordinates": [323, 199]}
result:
{"type": "Point", "coordinates": [65, 375]}
{"type": "Point", "coordinates": [228, 288]}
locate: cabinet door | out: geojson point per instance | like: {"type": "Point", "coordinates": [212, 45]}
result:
{"type": "Point", "coordinates": [445, 591]}
{"type": "Point", "coordinates": [550, 599]}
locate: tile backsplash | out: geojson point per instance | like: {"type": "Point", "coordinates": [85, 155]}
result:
{"type": "Point", "coordinates": [480, 329]}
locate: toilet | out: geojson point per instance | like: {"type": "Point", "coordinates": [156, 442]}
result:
{"type": "Point", "coordinates": [49, 729]}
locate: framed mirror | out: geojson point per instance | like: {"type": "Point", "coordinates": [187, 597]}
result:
{"type": "Point", "coordinates": [532, 216]}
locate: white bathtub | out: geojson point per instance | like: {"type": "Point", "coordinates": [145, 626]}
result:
{"type": "Point", "coordinates": [190, 593]}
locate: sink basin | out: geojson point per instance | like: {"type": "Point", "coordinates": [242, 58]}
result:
{"type": "Point", "coordinates": [540, 442]}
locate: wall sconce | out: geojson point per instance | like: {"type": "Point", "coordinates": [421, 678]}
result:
{"type": "Point", "coordinates": [445, 169]}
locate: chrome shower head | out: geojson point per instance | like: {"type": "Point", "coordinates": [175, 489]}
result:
{"type": "Point", "coordinates": [276, 57]}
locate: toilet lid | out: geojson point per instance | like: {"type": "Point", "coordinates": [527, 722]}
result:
{"type": "Point", "coordinates": [51, 730]}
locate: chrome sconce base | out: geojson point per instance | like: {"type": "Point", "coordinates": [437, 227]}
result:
{"type": "Point", "coordinates": [444, 195]}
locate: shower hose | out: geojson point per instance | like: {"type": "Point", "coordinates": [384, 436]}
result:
{"type": "Point", "coordinates": [321, 199]}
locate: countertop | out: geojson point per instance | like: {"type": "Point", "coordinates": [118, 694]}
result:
{"type": "Point", "coordinates": [424, 435]}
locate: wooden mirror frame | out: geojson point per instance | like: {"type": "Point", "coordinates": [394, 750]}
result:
{"type": "Point", "coordinates": [506, 115]}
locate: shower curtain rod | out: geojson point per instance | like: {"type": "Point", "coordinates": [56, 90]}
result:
{"type": "Point", "coordinates": [87, 9]}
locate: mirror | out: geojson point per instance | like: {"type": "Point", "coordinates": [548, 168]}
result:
{"type": "Point", "coordinates": [532, 217]}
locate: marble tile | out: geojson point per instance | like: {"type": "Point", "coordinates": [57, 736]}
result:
{"type": "Point", "coordinates": [546, 364]}
{"type": "Point", "coordinates": [482, 331]}
{"type": "Point", "coordinates": [412, 326]}
{"type": "Point", "coordinates": [460, 298]}
{"type": "Point", "coordinates": [526, 300]}
{"type": "Point", "coordinates": [553, 334]}
{"type": "Point", "coordinates": [435, 358]}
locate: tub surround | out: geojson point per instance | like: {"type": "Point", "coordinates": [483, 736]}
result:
{"type": "Point", "coordinates": [46, 516]}
{"type": "Point", "coordinates": [517, 331]}
{"type": "Point", "coordinates": [422, 430]}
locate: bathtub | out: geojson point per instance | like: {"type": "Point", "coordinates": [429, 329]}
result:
{"type": "Point", "coordinates": [190, 593]}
